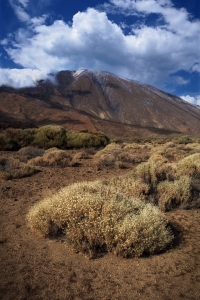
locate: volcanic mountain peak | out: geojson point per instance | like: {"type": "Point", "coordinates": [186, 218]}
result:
{"type": "Point", "coordinates": [85, 96]}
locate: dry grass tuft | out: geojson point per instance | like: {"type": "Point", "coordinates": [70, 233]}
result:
{"type": "Point", "coordinates": [98, 218]}
{"type": "Point", "coordinates": [57, 158]}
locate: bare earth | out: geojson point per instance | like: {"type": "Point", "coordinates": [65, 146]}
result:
{"type": "Point", "coordinates": [35, 268]}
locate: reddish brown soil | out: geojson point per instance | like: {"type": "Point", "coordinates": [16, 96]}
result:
{"type": "Point", "coordinates": [34, 268]}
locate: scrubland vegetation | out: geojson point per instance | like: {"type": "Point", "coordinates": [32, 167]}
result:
{"type": "Point", "coordinates": [49, 136]}
{"type": "Point", "coordinates": [122, 215]}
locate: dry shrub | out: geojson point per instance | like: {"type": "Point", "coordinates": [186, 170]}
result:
{"type": "Point", "coordinates": [13, 168]}
{"type": "Point", "coordinates": [195, 146]}
{"type": "Point", "coordinates": [105, 160]}
{"type": "Point", "coordinates": [171, 151]}
{"type": "Point", "coordinates": [170, 145]}
{"type": "Point", "coordinates": [174, 193]}
{"type": "Point", "coordinates": [113, 154]}
{"type": "Point", "coordinates": [130, 158]}
{"type": "Point", "coordinates": [136, 146]}
{"type": "Point", "coordinates": [129, 186]}
{"type": "Point", "coordinates": [51, 150]}
{"type": "Point", "coordinates": [190, 165]}
{"type": "Point", "coordinates": [120, 165]}
{"type": "Point", "coordinates": [132, 146]}
{"type": "Point", "coordinates": [31, 152]}
{"type": "Point", "coordinates": [112, 146]}
{"type": "Point", "coordinates": [81, 155]}
{"type": "Point", "coordinates": [157, 158]}
{"type": "Point", "coordinates": [146, 146]}
{"type": "Point", "coordinates": [171, 184]}
{"type": "Point", "coordinates": [152, 172]}
{"type": "Point", "coordinates": [98, 218]}
{"type": "Point", "coordinates": [57, 158]}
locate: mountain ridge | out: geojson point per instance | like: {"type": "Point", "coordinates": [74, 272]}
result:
{"type": "Point", "coordinates": [85, 98]}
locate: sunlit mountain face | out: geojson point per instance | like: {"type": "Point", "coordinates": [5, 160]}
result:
{"type": "Point", "coordinates": [94, 100]}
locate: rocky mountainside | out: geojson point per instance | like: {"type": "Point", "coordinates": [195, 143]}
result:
{"type": "Point", "coordinates": [99, 101]}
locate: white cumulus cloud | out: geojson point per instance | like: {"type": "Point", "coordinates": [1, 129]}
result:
{"type": "Point", "coordinates": [193, 100]}
{"type": "Point", "coordinates": [148, 54]}
{"type": "Point", "coordinates": [18, 78]}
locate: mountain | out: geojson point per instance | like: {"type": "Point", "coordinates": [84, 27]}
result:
{"type": "Point", "coordinates": [95, 101]}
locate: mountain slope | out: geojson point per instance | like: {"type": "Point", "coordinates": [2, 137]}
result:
{"type": "Point", "coordinates": [88, 98]}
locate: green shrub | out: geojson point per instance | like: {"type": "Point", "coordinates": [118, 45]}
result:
{"type": "Point", "coordinates": [21, 137]}
{"type": "Point", "coordinates": [183, 140]}
{"type": "Point", "coordinates": [49, 136]}
{"type": "Point", "coordinates": [97, 218]}
{"type": "Point", "coordinates": [84, 139]}
{"type": "Point", "coordinates": [6, 143]}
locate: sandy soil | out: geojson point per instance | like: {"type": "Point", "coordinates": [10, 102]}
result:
{"type": "Point", "coordinates": [35, 268]}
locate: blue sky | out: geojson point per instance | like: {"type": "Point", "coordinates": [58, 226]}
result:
{"type": "Point", "coordinates": [151, 41]}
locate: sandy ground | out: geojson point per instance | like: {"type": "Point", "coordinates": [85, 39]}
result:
{"type": "Point", "coordinates": [36, 268]}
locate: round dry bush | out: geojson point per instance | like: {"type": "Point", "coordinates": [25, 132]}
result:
{"type": "Point", "coordinates": [51, 150]}
{"type": "Point", "coordinates": [57, 158]}
{"type": "Point", "coordinates": [126, 157]}
{"type": "Point", "coordinates": [189, 165]}
{"type": "Point", "coordinates": [31, 151]}
{"type": "Point", "coordinates": [112, 146]}
{"type": "Point", "coordinates": [97, 218]}
{"type": "Point", "coordinates": [129, 186]}
{"type": "Point", "coordinates": [112, 149]}
{"type": "Point", "coordinates": [174, 193]}
{"type": "Point", "coordinates": [152, 172]}
{"type": "Point", "coordinates": [105, 160]}
{"type": "Point", "coordinates": [14, 168]}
